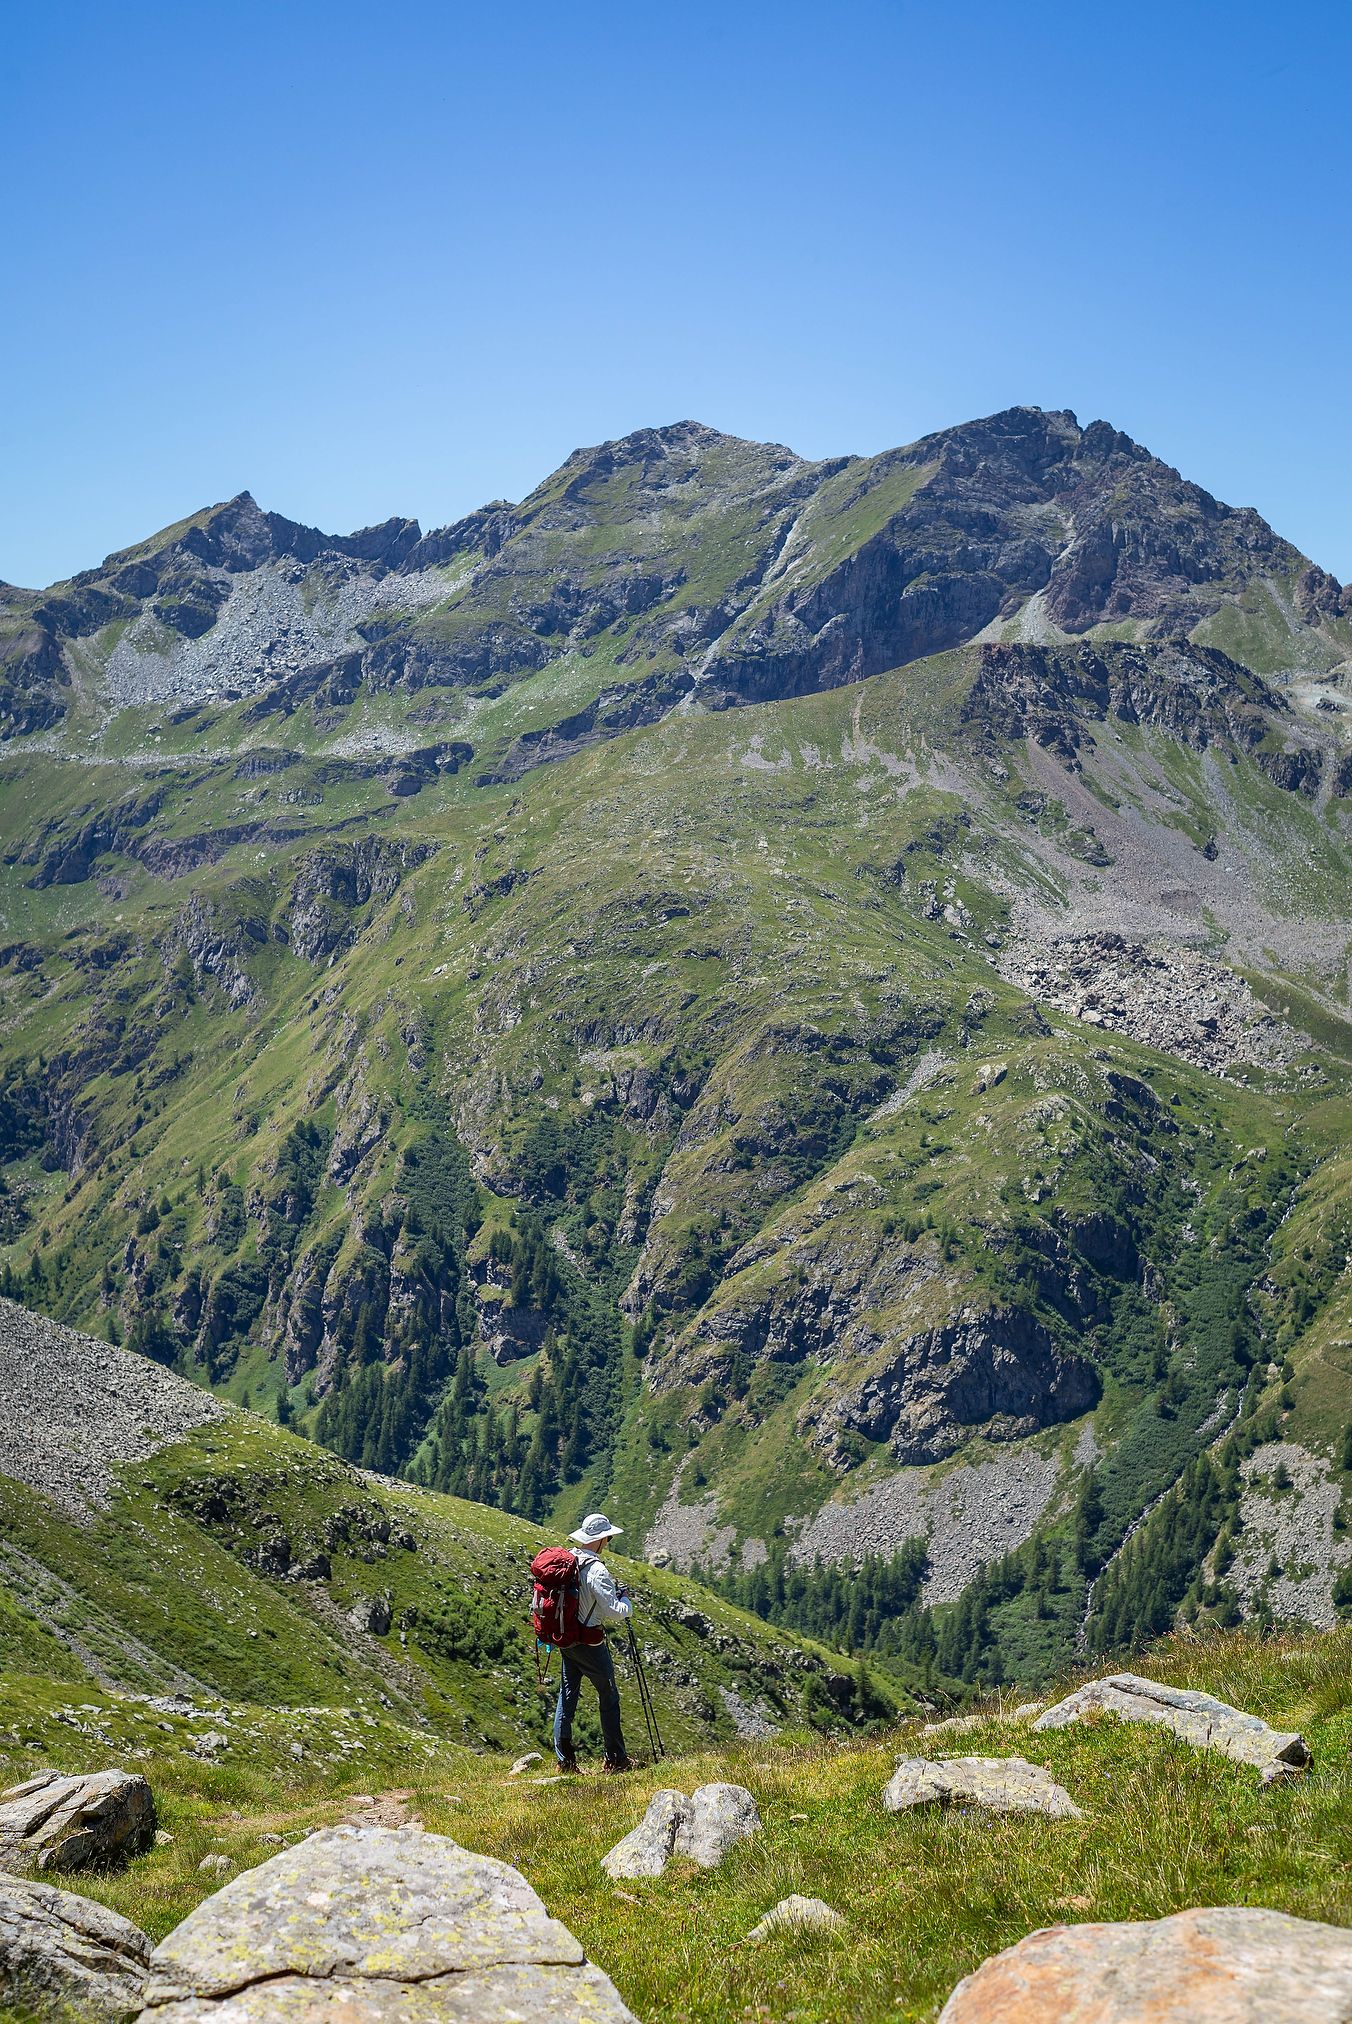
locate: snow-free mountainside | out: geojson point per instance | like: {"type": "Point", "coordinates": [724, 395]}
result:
{"type": "Point", "coordinates": [803, 1004]}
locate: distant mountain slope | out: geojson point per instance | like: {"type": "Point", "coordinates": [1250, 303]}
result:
{"type": "Point", "coordinates": [235, 1560]}
{"type": "Point", "coordinates": [912, 1107]}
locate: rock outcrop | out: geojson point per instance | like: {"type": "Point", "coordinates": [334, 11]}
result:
{"type": "Point", "coordinates": [704, 1827]}
{"type": "Point", "coordinates": [53, 1822]}
{"type": "Point", "coordinates": [62, 1956]}
{"type": "Point", "coordinates": [990, 1784]}
{"type": "Point", "coordinates": [375, 1925]}
{"type": "Point", "coordinates": [1198, 1718]}
{"type": "Point", "coordinates": [1228, 1966]}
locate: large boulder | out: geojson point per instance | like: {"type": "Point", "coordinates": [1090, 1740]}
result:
{"type": "Point", "coordinates": [1198, 1718]}
{"type": "Point", "coordinates": [995, 1784]}
{"type": "Point", "coordinates": [63, 1957]}
{"type": "Point", "coordinates": [1231, 1966]}
{"type": "Point", "coordinates": [54, 1822]}
{"type": "Point", "coordinates": [376, 1925]}
{"type": "Point", "coordinates": [705, 1826]}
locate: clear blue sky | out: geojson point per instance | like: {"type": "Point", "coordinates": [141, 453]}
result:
{"type": "Point", "coordinates": [369, 260]}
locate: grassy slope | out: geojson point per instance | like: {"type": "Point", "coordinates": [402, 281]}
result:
{"type": "Point", "coordinates": [927, 1896]}
{"type": "Point", "coordinates": [164, 1593]}
{"type": "Point", "coordinates": [597, 922]}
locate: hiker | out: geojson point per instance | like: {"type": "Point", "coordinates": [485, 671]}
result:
{"type": "Point", "coordinates": [581, 1642]}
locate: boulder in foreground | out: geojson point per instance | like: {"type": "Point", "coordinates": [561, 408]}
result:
{"type": "Point", "coordinates": [1198, 1718]}
{"type": "Point", "coordinates": [995, 1784]}
{"type": "Point", "coordinates": [376, 1925]}
{"type": "Point", "coordinates": [1229, 1966]}
{"type": "Point", "coordinates": [62, 1956]}
{"type": "Point", "coordinates": [53, 1822]}
{"type": "Point", "coordinates": [705, 1826]}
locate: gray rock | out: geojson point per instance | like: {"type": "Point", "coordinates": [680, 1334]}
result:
{"type": "Point", "coordinates": [718, 1817]}
{"type": "Point", "coordinates": [524, 1763]}
{"type": "Point", "coordinates": [372, 1925]}
{"type": "Point", "coordinates": [704, 1827]}
{"type": "Point", "coordinates": [995, 1784]}
{"type": "Point", "coordinates": [647, 1850]}
{"type": "Point", "coordinates": [54, 1822]}
{"type": "Point", "coordinates": [1198, 1718]}
{"type": "Point", "coordinates": [63, 1957]}
{"type": "Point", "coordinates": [372, 1615]}
{"type": "Point", "coordinates": [795, 1913]}
{"type": "Point", "coordinates": [1226, 1966]}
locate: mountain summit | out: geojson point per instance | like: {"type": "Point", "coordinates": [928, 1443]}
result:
{"type": "Point", "coordinates": [679, 558]}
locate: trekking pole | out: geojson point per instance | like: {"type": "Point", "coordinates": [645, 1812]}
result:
{"type": "Point", "coordinates": [655, 1743]}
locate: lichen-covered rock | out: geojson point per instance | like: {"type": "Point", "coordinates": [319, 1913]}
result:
{"type": "Point", "coordinates": [1226, 1966]}
{"type": "Point", "coordinates": [373, 1925]}
{"type": "Point", "coordinates": [53, 1822]}
{"type": "Point", "coordinates": [1198, 1718]}
{"type": "Point", "coordinates": [995, 1784]}
{"type": "Point", "coordinates": [798, 1914]}
{"type": "Point", "coordinates": [704, 1827]}
{"type": "Point", "coordinates": [647, 1850]}
{"type": "Point", "coordinates": [62, 1956]}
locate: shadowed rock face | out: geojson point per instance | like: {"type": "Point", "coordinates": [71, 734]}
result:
{"type": "Point", "coordinates": [371, 1924]}
{"type": "Point", "coordinates": [1227, 1966]}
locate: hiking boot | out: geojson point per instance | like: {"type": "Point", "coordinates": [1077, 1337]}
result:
{"type": "Point", "coordinates": [616, 1764]}
{"type": "Point", "coordinates": [569, 1764]}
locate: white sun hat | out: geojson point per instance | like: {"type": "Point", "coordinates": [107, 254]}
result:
{"type": "Point", "coordinates": [594, 1529]}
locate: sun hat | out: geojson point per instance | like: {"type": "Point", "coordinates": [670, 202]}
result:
{"type": "Point", "coordinates": [592, 1530]}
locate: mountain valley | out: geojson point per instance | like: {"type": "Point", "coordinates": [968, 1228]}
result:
{"type": "Point", "coordinates": [806, 1004]}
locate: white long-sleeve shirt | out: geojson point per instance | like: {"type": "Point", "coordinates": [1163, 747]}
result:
{"type": "Point", "coordinates": [600, 1602]}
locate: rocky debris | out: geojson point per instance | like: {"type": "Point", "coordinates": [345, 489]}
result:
{"type": "Point", "coordinates": [1289, 1551]}
{"type": "Point", "coordinates": [73, 1409]}
{"type": "Point", "coordinates": [974, 1513]}
{"type": "Point", "coordinates": [750, 1721]}
{"type": "Point", "coordinates": [1165, 994]}
{"type": "Point", "coordinates": [1198, 1718]}
{"type": "Point", "coordinates": [704, 1827]}
{"type": "Point", "coordinates": [379, 1926]}
{"type": "Point", "coordinates": [64, 1956]}
{"type": "Point", "coordinates": [55, 1822]}
{"type": "Point", "coordinates": [798, 1914]}
{"type": "Point", "coordinates": [524, 1763]}
{"type": "Point", "coordinates": [1233, 1965]}
{"type": "Point", "coordinates": [991, 1784]}
{"type": "Point", "coordinates": [215, 1865]}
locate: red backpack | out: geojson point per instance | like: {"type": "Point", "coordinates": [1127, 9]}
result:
{"type": "Point", "coordinates": [557, 1574]}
